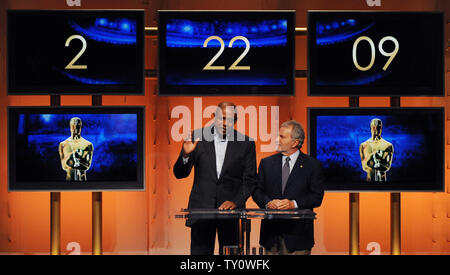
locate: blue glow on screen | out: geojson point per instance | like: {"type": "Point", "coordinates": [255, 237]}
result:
{"type": "Point", "coordinates": [357, 81]}
{"type": "Point", "coordinates": [226, 81]}
{"type": "Point", "coordinates": [339, 31]}
{"type": "Point", "coordinates": [339, 137]}
{"type": "Point", "coordinates": [114, 136]}
{"type": "Point", "coordinates": [181, 33]}
{"type": "Point", "coordinates": [114, 31]}
{"type": "Point", "coordinates": [92, 81]}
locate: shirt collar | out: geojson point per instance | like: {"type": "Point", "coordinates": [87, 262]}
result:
{"type": "Point", "coordinates": [293, 157]}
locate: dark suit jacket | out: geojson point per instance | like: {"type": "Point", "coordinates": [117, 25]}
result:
{"type": "Point", "coordinates": [237, 178]}
{"type": "Point", "coordinates": [304, 185]}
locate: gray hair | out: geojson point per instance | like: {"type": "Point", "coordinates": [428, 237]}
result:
{"type": "Point", "coordinates": [297, 131]}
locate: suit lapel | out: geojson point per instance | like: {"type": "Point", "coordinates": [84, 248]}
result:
{"type": "Point", "coordinates": [296, 171]}
{"type": "Point", "coordinates": [209, 146]}
{"type": "Point", "coordinates": [277, 171]}
{"type": "Point", "coordinates": [210, 149]}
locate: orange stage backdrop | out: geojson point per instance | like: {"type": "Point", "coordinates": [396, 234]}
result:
{"type": "Point", "coordinates": [144, 223]}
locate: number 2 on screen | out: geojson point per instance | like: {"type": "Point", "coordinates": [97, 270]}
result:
{"type": "Point", "coordinates": [80, 53]}
{"type": "Point", "coordinates": [234, 66]}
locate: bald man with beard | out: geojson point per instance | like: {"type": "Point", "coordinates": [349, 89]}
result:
{"type": "Point", "coordinates": [224, 177]}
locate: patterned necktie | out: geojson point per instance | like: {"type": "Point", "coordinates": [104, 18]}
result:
{"type": "Point", "coordinates": [285, 174]}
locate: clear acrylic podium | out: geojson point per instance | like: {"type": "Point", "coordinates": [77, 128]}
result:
{"type": "Point", "coordinates": [244, 217]}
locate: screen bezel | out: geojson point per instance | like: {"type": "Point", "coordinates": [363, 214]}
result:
{"type": "Point", "coordinates": [338, 91]}
{"type": "Point", "coordinates": [79, 89]}
{"type": "Point", "coordinates": [224, 90]}
{"type": "Point", "coordinates": [437, 186]}
{"type": "Point", "coordinates": [138, 185]}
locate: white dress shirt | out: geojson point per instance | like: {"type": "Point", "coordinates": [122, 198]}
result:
{"type": "Point", "coordinates": [293, 158]}
{"type": "Point", "coordinates": [220, 146]}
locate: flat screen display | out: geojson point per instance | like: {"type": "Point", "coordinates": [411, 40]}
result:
{"type": "Point", "coordinates": [76, 149]}
{"type": "Point", "coordinates": [362, 53]}
{"type": "Point", "coordinates": [226, 52]}
{"type": "Point", "coordinates": [75, 52]}
{"type": "Point", "coordinates": [376, 149]}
